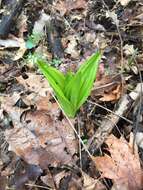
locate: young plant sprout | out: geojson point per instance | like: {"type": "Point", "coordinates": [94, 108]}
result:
{"type": "Point", "coordinates": [71, 89]}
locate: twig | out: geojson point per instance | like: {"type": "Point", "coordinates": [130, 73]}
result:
{"type": "Point", "coordinates": [84, 146]}
{"type": "Point", "coordinates": [116, 22]}
{"type": "Point", "coordinates": [38, 186]}
{"type": "Point", "coordinates": [80, 153]}
{"type": "Point", "coordinates": [111, 120]}
{"type": "Point", "coordinates": [139, 108]}
{"type": "Point", "coordinates": [103, 107]}
{"type": "Point", "coordinates": [9, 19]}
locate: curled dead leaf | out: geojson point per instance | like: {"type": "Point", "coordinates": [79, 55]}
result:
{"type": "Point", "coordinates": [109, 88]}
{"type": "Point", "coordinates": [113, 95]}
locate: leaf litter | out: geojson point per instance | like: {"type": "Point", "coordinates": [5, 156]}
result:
{"type": "Point", "coordinates": [38, 148]}
{"type": "Point", "coordinates": [38, 133]}
{"type": "Point", "coordinates": [123, 166]}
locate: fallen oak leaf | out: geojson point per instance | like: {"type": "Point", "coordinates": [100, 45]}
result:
{"type": "Point", "coordinates": [51, 136]}
{"type": "Point", "coordinates": [110, 171]}
{"type": "Point", "coordinates": [123, 167]}
{"type": "Point", "coordinates": [31, 138]}
{"type": "Point", "coordinates": [21, 141]}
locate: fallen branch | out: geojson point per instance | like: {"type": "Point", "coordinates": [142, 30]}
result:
{"type": "Point", "coordinates": [10, 18]}
{"type": "Point", "coordinates": [54, 30]}
{"type": "Point", "coordinates": [111, 120]}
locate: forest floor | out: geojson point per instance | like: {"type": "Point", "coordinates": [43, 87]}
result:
{"type": "Point", "coordinates": [102, 147]}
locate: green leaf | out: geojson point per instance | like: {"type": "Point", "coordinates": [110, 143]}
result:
{"type": "Point", "coordinates": [53, 76]}
{"type": "Point", "coordinates": [51, 73]}
{"type": "Point", "coordinates": [71, 89]}
{"type": "Point", "coordinates": [78, 89]}
{"type": "Point", "coordinates": [93, 60]}
{"type": "Point", "coordinates": [69, 75]}
{"type": "Point", "coordinates": [30, 44]}
{"type": "Point", "coordinates": [88, 72]}
{"type": "Point", "coordinates": [66, 106]}
{"type": "Point", "coordinates": [33, 40]}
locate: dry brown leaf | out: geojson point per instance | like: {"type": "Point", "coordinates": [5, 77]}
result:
{"type": "Point", "coordinates": [8, 103]}
{"type": "Point", "coordinates": [35, 83]}
{"type": "Point", "coordinates": [72, 47]}
{"type": "Point", "coordinates": [39, 137]}
{"type": "Point", "coordinates": [109, 88]}
{"type": "Point", "coordinates": [59, 176]}
{"type": "Point", "coordinates": [23, 143]}
{"type": "Point", "coordinates": [64, 7]}
{"type": "Point", "coordinates": [3, 182]}
{"type": "Point", "coordinates": [90, 183]}
{"type": "Point", "coordinates": [39, 134]}
{"type": "Point", "coordinates": [52, 134]}
{"type": "Point", "coordinates": [48, 180]}
{"type": "Point", "coordinates": [113, 95]}
{"type": "Point", "coordinates": [21, 50]}
{"type": "Point", "coordinates": [123, 167]}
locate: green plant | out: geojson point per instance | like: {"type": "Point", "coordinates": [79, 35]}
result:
{"type": "Point", "coordinates": [71, 89]}
{"type": "Point", "coordinates": [55, 62]}
{"type": "Point", "coordinates": [132, 57]}
{"type": "Point", "coordinates": [33, 40]}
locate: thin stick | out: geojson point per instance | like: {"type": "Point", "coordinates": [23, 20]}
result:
{"type": "Point", "coordinates": [107, 125]}
{"type": "Point", "coordinates": [80, 154]}
{"type": "Point", "coordinates": [140, 105]}
{"type": "Point", "coordinates": [39, 186]}
{"type": "Point", "coordinates": [85, 148]}
{"type": "Point", "coordinates": [111, 120]}
{"type": "Point", "coordinates": [121, 44]}
{"type": "Point", "coordinates": [103, 107]}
